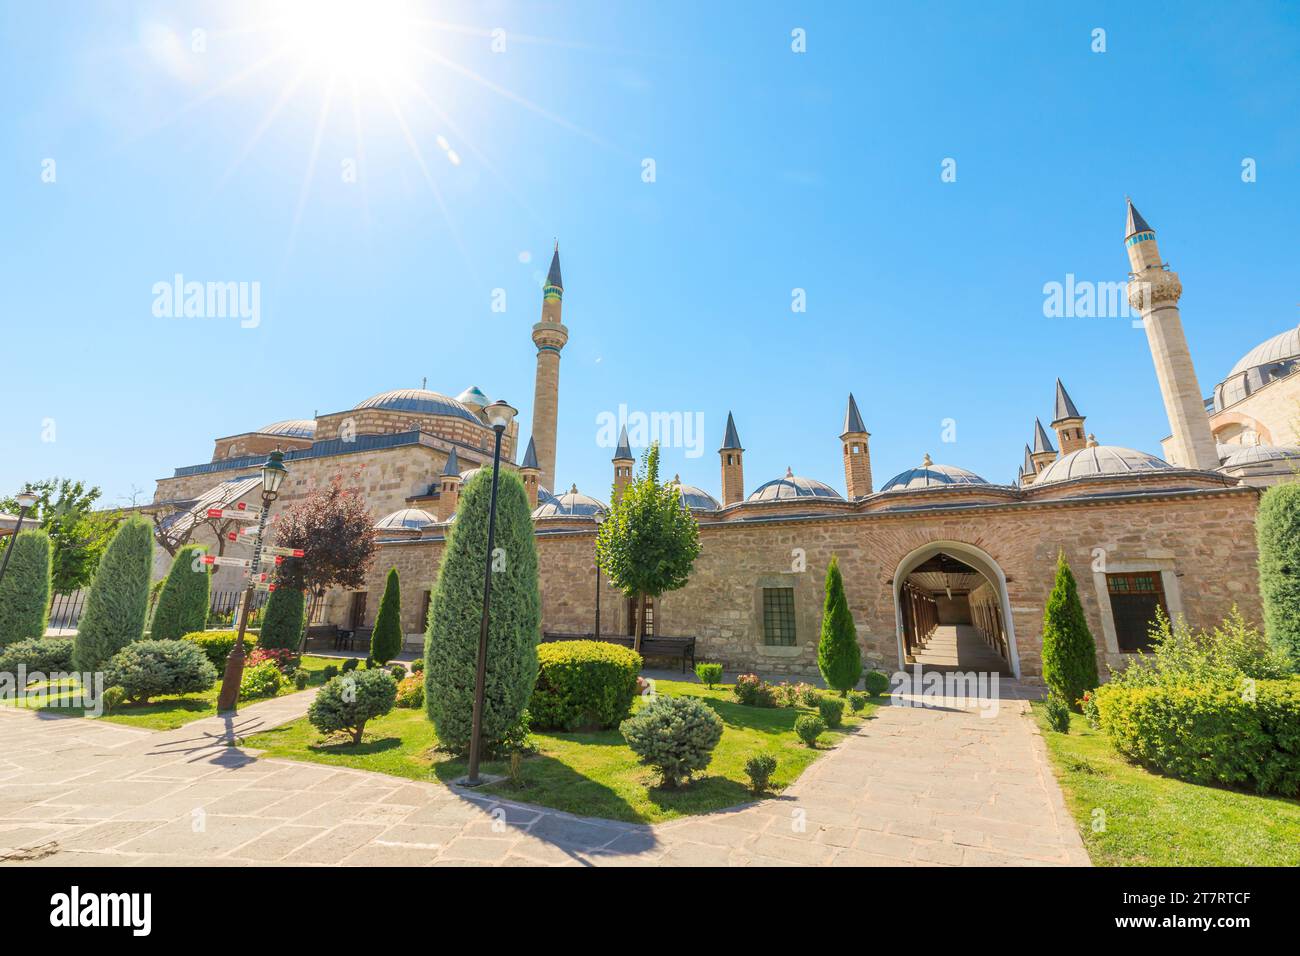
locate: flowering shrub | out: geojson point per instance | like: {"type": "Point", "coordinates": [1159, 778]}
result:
{"type": "Point", "coordinates": [410, 692]}
{"type": "Point", "coordinates": [753, 690]}
{"type": "Point", "coordinates": [285, 660]}
{"type": "Point", "coordinates": [1088, 705]}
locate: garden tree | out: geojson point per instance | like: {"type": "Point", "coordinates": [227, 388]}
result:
{"type": "Point", "coordinates": [78, 533]}
{"type": "Point", "coordinates": [386, 638]}
{"type": "Point", "coordinates": [1277, 530]}
{"type": "Point", "coordinates": [455, 610]}
{"type": "Point", "coordinates": [1069, 653]}
{"type": "Point", "coordinates": [25, 589]}
{"type": "Point", "coordinates": [838, 656]}
{"type": "Point", "coordinates": [183, 602]}
{"type": "Point", "coordinates": [119, 597]}
{"type": "Point", "coordinates": [284, 618]}
{"type": "Point", "coordinates": [649, 542]}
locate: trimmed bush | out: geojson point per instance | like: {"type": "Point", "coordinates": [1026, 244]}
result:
{"type": "Point", "coordinates": [1058, 713]}
{"type": "Point", "coordinates": [876, 683]}
{"type": "Point", "coordinates": [857, 701]}
{"type": "Point", "coordinates": [284, 619]}
{"type": "Point", "coordinates": [25, 589]}
{"type": "Point", "coordinates": [351, 664]}
{"type": "Point", "coordinates": [808, 728]}
{"type": "Point", "coordinates": [147, 669]}
{"type": "Point", "coordinates": [410, 691]}
{"type": "Point", "coordinates": [452, 639]}
{"type": "Point", "coordinates": [301, 678]}
{"type": "Point", "coordinates": [386, 638]}
{"type": "Point", "coordinates": [759, 768]}
{"type": "Point", "coordinates": [417, 666]}
{"type": "Point", "coordinates": [261, 680]}
{"type": "Point", "coordinates": [119, 597]}
{"type": "Point", "coordinates": [1277, 532]}
{"type": "Point", "coordinates": [45, 654]}
{"type": "Point", "coordinates": [838, 656]}
{"type": "Point", "coordinates": [831, 710]}
{"type": "Point", "coordinates": [585, 685]}
{"type": "Point", "coordinates": [112, 699]}
{"type": "Point", "coordinates": [674, 735]}
{"type": "Point", "coordinates": [753, 690]}
{"type": "Point", "coordinates": [708, 674]}
{"type": "Point", "coordinates": [398, 671]}
{"type": "Point", "coordinates": [182, 606]}
{"type": "Point", "coordinates": [1069, 653]}
{"type": "Point", "coordinates": [217, 644]}
{"type": "Point", "coordinates": [328, 673]}
{"type": "Point", "coordinates": [349, 701]}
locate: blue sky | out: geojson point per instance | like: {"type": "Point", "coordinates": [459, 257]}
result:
{"type": "Point", "coordinates": [774, 170]}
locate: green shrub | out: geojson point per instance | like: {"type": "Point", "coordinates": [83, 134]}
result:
{"type": "Point", "coordinates": [261, 680]}
{"type": "Point", "coordinates": [674, 735]}
{"type": "Point", "coordinates": [182, 605]}
{"type": "Point", "coordinates": [112, 698]}
{"type": "Point", "coordinates": [328, 673]}
{"type": "Point", "coordinates": [284, 618]}
{"type": "Point", "coordinates": [1088, 704]}
{"type": "Point", "coordinates": [857, 701]}
{"type": "Point", "coordinates": [417, 666]}
{"type": "Point", "coordinates": [147, 669]}
{"type": "Point", "coordinates": [217, 644]}
{"type": "Point", "coordinates": [347, 702]}
{"type": "Point", "coordinates": [1222, 656]}
{"type": "Point", "coordinates": [1058, 713]}
{"type": "Point", "coordinates": [301, 678]}
{"type": "Point", "coordinates": [831, 710]}
{"type": "Point", "coordinates": [25, 588]}
{"type": "Point", "coordinates": [386, 638]}
{"type": "Point", "coordinates": [838, 656]}
{"type": "Point", "coordinates": [753, 690]}
{"type": "Point", "coordinates": [759, 768]}
{"type": "Point", "coordinates": [1277, 531]}
{"type": "Point", "coordinates": [1069, 653]}
{"type": "Point", "coordinates": [808, 694]}
{"type": "Point", "coordinates": [708, 674]}
{"type": "Point", "coordinates": [398, 671]}
{"type": "Point", "coordinates": [44, 654]}
{"type": "Point", "coordinates": [119, 597]}
{"type": "Point", "coordinates": [808, 728]}
{"type": "Point", "coordinates": [876, 683]}
{"type": "Point", "coordinates": [583, 684]}
{"type": "Point", "coordinates": [410, 691]}
{"type": "Point", "coordinates": [1245, 736]}
{"type": "Point", "coordinates": [351, 664]}
{"type": "Point", "coordinates": [455, 610]}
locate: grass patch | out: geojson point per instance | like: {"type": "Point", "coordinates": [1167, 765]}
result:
{"type": "Point", "coordinates": [1153, 820]}
{"type": "Point", "coordinates": [592, 774]}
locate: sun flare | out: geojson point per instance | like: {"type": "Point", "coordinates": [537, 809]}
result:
{"type": "Point", "coordinates": [362, 40]}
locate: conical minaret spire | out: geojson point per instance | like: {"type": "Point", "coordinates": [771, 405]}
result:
{"type": "Point", "coordinates": [1067, 422]}
{"type": "Point", "coordinates": [733, 468]}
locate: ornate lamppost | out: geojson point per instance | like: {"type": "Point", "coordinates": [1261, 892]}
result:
{"type": "Point", "coordinates": [26, 502]}
{"type": "Point", "coordinates": [599, 518]}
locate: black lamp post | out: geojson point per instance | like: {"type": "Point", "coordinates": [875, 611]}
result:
{"type": "Point", "coordinates": [499, 415]}
{"type": "Point", "coordinates": [599, 518]}
{"type": "Point", "coordinates": [273, 473]}
{"type": "Point", "coordinates": [26, 501]}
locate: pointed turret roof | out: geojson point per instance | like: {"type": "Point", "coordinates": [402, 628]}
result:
{"type": "Point", "coordinates": [1135, 221]}
{"type": "Point", "coordinates": [731, 440]}
{"type": "Point", "coordinates": [530, 457]}
{"type": "Point", "coordinates": [1041, 442]}
{"type": "Point", "coordinates": [1064, 405]}
{"type": "Point", "coordinates": [553, 277]}
{"type": "Point", "coordinates": [853, 419]}
{"type": "Point", "coordinates": [453, 465]}
{"type": "Point", "coordinates": [1028, 467]}
{"type": "Point", "coordinates": [624, 450]}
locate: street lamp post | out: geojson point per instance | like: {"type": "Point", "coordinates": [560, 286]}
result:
{"type": "Point", "coordinates": [26, 501]}
{"type": "Point", "coordinates": [273, 473]}
{"type": "Point", "coordinates": [499, 415]}
{"type": "Point", "coordinates": [599, 518]}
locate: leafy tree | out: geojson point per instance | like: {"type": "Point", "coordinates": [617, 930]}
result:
{"type": "Point", "coordinates": [1069, 653]}
{"type": "Point", "coordinates": [347, 702]}
{"type": "Point", "coordinates": [284, 618]}
{"type": "Point", "coordinates": [1277, 529]}
{"type": "Point", "coordinates": [451, 643]}
{"type": "Point", "coordinates": [78, 533]}
{"type": "Point", "coordinates": [838, 656]}
{"type": "Point", "coordinates": [386, 638]}
{"type": "Point", "coordinates": [335, 530]}
{"type": "Point", "coordinates": [25, 590]}
{"type": "Point", "coordinates": [119, 597]}
{"type": "Point", "coordinates": [649, 542]}
{"type": "Point", "coordinates": [183, 602]}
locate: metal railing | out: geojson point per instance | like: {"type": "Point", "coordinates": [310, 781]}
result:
{"type": "Point", "coordinates": [223, 608]}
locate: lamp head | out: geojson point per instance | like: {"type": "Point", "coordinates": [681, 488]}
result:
{"type": "Point", "coordinates": [500, 414]}
{"type": "Point", "coordinates": [273, 473]}
{"type": "Point", "coordinates": [26, 499]}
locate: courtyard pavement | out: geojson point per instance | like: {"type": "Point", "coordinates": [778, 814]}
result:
{"type": "Point", "coordinates": [911, 787]}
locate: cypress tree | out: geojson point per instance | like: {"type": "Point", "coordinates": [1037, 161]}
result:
{"type": "Point", "coordinates": [1069, 653]}
{"type": "Point", "coordinates": [386, 638]}
{"type": "Point", "coordinates": [283, 618]}
{"type": "Point", "coordinates": [838, 656]}
{"type": "Point", "coordinates": [119, 597]}
{"type": "Point", "coordinates": [183, 603]}
{"type": "Point", "coordinates": [25, 590]}
{"type": "Point", "coordinates": [1277, 530]}
{"type": "Point", "coordinates": [451, 643]}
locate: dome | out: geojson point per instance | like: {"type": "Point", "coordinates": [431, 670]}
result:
{"type": "Point", "coordinates": [930, 475]}
{"type": "Point", "coordinates": [697, 499]}
{"type": "Point", "coordinates": [408, 519]}
{"type": "Point", "coordinates": [1282, 346]}
{"type": "Point", "coordinates": [419, 400]}
{"type": "Point", "coordinates": [1262, 454]}
{"type": "Point", "coordinates": [1100, 460]}
{"type": "Point", "coordinates": [1272, 359]}
{"type": "Point", "coordinates": [572, 503]}
{"type": "Point", "coordinates": [473, 398]}
{"type": "Point", "coordinates": [793, 486]}
{"type": "Point", "coordinates": [291, 428]}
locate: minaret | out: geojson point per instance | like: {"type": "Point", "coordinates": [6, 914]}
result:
{"type": "Point", "coordinates": [857, 456]}
{"type": "Point", "coordinates": [530, 473]}
{"type": "Point", "coordinates": [1154, 291]}
{"type": "Point", "coordinates": [623, 462]}
{"type": "Point", "coordinates": [733, 471]}
{"type": "Point", "coordinates": [449, 487]}
{"type": "Point", "coordinates": [1067, 422]}
{"type": "Point", "coordinates": [1044, 454]}
{"type": "Point", "coordinates": [550, 336]}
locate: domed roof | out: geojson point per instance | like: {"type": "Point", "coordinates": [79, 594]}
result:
{"type": "Point", "coordinates": [1282, 346]}
{"type": "Point", "coordinates": [1099, 460]}
{"type": "Point", "coordinates": [572, 503]}
{"type": "Point", "coordinates": [473, 397]}
{"type": "Point", "coordinates": [419, 400]}
{"type": "Point", "coordinates": [930, 475]}
{"type": "Point", "coordinates": [408, 519]}
{"type": "Point", "coordinates": [291, 428]}
{"type": "Point", "coordinates": [1262, 454]}
{"type": "Point", "coordinates": [697, 499]}
{"type": "Point", "coordinates": [793, 486]}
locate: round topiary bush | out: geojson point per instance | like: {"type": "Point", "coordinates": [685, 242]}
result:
{"type": "Point", "coordinates": [261, 680]}
{"type": "Point", "coordinates": [831, 710]}
{"type": "Point", "coordinates": [146, 669]}
{"type": "Point", "coordinates": [675, 735]}
{"type": "Point", "coordinates": [583, 685]}
{"type": "Point", "coordinates": [348, 701]}
{"type": "Point", "coordinates": [876, 683]}
{"type": "Point", "coordinates": [759, 768]}
{"type": "Point", "coordinates": [809, 728]}
{"type": "Point", "coordinates": [708, 673]}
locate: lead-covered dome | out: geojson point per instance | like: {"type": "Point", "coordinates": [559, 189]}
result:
{"type": "Point", "coordinates": [697, 499]}
{"type": "Point", "coordinates": [407, 519]}
{"type": "Point", "coordinates": [794, 486]}
{"type": "Point", "coordinates": [291, 428]}
{"type": "Point", "coordinates": [419, 400]}
{"type": "Point", "coordinates": [571, 504]}
{"type": "Point", "coordinates": [1100, 460]}
{"type": "Point", "coordinates": [930, 475]}
{"type": "Point", "coordinates": [1262, 455]}
{"type": "Point", "coordinates": [1270, 360]}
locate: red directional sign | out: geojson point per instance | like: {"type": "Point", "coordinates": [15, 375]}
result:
{"type": "Point", "coordinates": [222, 560]}
{"type": "Point", "coordinates": [238, 513]}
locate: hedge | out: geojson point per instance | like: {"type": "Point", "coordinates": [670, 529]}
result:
{"type": "Point", "coordinates": [183, 601]}
{"type": "Point", "coordinates": [1277, 529]}
{"type": "Point", "coordinates": [25, 589]}
{"type": "Point", "coordinates": [585, 685]}
{"type": "Point", "coordinates": [217, 644]}
{"type": "Point", "coordinates": [118, 601]}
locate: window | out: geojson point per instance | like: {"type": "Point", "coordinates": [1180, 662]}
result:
{"type": "Point", "coordinates": [778, 616]}
{"type": "Point", "coordinates": [1134, 599]}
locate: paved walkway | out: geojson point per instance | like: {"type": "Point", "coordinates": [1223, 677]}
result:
{"type": "Point", "coordinates": [960, 647]}
{"type": "Point", "coordinates": [912, 787]}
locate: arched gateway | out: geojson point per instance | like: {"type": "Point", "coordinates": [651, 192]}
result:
{"type": "Point", "coordinates": [951, 610]}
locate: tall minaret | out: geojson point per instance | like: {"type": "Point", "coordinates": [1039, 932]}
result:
{"type": "Point", "coordinates": [1154, 291]}
{"type": "Point", "coordinates": [549, 335]}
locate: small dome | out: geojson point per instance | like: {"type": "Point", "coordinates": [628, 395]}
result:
{"type": "Point", "coordinates": [469, 473]}
{"type": "Point", "coordinates": [408, 519]}
{"type": "Point", "coordinates": [1101, 460]}
{"type": "Point", "coordinates": [1262, 454]}
{"type": "Point", "coordinates": [1270, 360]}
{"type": "Point", "coordinates": [697, 499]}
{"type": "Point", "coordinates": [419, 400]}
{"type": "Point", "coordinates": [291, 428]}
{"type": "Point", "coordinates": [930, 475]}
{"type": "Point", "coordinates": [473, 398]}
{"type": "Point", "coordinates": [572, 503]}
{"type": "Point", "coordinates": [793, 486]}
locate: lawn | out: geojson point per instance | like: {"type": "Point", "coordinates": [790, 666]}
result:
{"type": "Point", "coordinates": [592, 774]}
{"type": "Point", "coordinates": [170, 712]}
{"type": "Point", "coordinates": [1153, 820]}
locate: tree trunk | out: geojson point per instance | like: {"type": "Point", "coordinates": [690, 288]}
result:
{"type": "Point", "coordinates": [639, 606]}
{"type": "Point", "coordinates": [356, 734]}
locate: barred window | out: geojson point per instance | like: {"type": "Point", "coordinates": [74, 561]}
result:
{"type": "Point", "coordinates": [778, 616]}
{"type": "Point", "coordinates": [1134, 601]}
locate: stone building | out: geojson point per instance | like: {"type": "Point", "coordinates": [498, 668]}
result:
{"type": "Point", "coordinates": [935, 546]}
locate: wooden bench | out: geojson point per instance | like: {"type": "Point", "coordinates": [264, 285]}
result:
{"type": "Point", "coordinates": [656, 646]}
